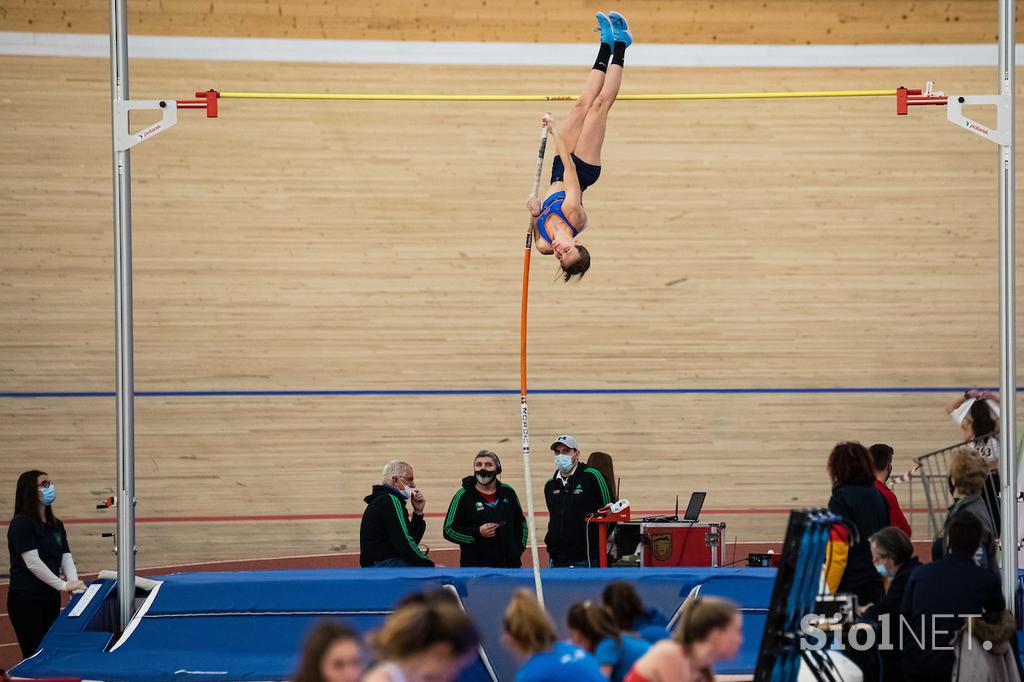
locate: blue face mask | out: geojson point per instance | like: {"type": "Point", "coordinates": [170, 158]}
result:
{"type": "Point", "coordinates": [563, 462]}
{"type": "Point", "coordinates": [48, 495]}
{"type": "Point", "coordinates": [882, 570]}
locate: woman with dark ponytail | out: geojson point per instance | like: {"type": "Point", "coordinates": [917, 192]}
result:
{"type": "Point", "coordinates": [709, 631]}
{"type": "Point", "coordinates": [977, 415]}
{"type": "Point", "coordinates": [40, 554]}
{"type": "Point", "coordinates": [592, 628]}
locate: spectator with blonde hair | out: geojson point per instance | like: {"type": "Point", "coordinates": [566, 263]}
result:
{"type": "Point", "coordinates": [426, 641]}
{"type": "Point", "coordinates": [531, 636]}
{"type": "Point", "coordinates": [967, 473]}
{"type": "Point", "coordinates": [711, 630]}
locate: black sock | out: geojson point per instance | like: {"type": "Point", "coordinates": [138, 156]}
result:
{"type": "Point", "coordinates": [603, 53]}
{"type": "Point", "coordinates": [619, 53]}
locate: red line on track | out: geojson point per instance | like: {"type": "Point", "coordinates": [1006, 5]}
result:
{"type": "Point", "coordinates": [350, 517]}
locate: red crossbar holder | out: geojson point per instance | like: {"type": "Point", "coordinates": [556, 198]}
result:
{"type": "Point", "coordinates": [602, 518]}
{"type": "Point", "coordinates": [914, 98]}
{"type": "Point", "coordinates": [208, 101]}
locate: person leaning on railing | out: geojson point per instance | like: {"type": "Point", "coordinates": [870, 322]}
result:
{"type": "Point", "coordinates": [977, 415]}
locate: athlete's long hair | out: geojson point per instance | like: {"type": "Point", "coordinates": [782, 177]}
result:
{"type": "Point", "coordinates": [580, 267]}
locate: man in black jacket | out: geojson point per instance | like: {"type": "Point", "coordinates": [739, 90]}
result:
{"type": "Point", "coordinates": [388, 538]}
{"type": "Point", "coordinates": [485, 518]}
{"type": "Point", "coordinates": [573, 493]}
{"type": "Point", "coordinates": [938, 598]}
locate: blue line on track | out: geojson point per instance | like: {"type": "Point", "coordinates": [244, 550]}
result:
{"type": "Point", "coordinates": [497, 391]}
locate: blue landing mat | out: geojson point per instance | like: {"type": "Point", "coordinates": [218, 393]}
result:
{"type": "Point", "coordinates": [250, 625]}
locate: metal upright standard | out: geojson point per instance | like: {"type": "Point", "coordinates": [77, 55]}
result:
{"type": "Point", "coordinates": [1007, 307]}
{"type": "Point", "coordinates": [123, 296]}
{"type": "Point", "coordinates": [1003, 135]}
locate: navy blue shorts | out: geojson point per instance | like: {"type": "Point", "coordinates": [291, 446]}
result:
{"type": "Point", "coordinates": [587, 173]}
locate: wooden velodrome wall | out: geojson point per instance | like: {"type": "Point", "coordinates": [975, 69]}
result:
{"type": "Point", "coordinates": [377, 247]}
{"type": "Point", "coordinates": [709, 21]}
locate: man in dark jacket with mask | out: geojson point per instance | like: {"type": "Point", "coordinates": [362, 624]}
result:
{"type": "Point", "coordinates": [388, 537]}
{"type": "Point", "coordinates": [575, 492]}
{"type": "Point", "coordinates": [485, 518]}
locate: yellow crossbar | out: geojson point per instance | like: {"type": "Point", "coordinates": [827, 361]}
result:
{"type": "Point", "coordinates": [553, 98]}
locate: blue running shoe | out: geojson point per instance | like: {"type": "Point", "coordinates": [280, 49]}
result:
{"type": "Point", "coordinates": [604, 25]}
{"type": "Point", "coordinates": [620, 29]}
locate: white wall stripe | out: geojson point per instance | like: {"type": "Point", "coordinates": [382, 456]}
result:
{"type": "Point", "coordinates": [498, 54]}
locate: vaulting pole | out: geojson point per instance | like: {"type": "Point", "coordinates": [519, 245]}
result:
{"type": "Point", "coordinates": [523, 411]}
{"type": "Point", "coordinates": [1007, 314]}
{"type": "Point", "coordinates": [123, 316]}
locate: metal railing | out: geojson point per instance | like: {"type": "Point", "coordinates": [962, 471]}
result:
{"type": "Point", "coordinates": [933, 471]}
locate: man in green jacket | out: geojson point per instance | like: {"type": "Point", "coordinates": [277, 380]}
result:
{"type": "Point", "coordinates": [388, 536]}
{"type": "Point", "coordinates": [485, 518]}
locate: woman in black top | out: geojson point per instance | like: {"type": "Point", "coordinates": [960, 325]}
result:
{"type": "Point", "coordinates": [39, 555]}
{"type": "Point", "coordinates": [848, 568]}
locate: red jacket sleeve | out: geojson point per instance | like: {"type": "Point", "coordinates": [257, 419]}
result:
{"type": "Point", "coordinates": [896, 517]}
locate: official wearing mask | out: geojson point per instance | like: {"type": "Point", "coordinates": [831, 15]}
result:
{"type": "Point", "coordinates": [388, 536]}
{"type": "Point", "coordinates": [575, 492]}
{"type": "Point", "coordinates": [485, 518]}
{"type": "Point", "coordinates": [40, 554]}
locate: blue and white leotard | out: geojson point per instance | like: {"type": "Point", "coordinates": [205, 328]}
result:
{"type": "Point", "coordinates": [553, 206]}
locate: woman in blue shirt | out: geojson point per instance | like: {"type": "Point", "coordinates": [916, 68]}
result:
{"type": "Point", "coordinates": [530, 634]}
{"type": "Point", "coordinates": [593, 628]}
{"type": "Point", "coordinates": [631, 615]}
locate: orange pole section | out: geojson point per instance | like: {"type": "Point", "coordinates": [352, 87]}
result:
{"type": "Point", "coordinates": [524, 413]}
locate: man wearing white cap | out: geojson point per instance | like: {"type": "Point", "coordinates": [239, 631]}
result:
{"type": "Point", "coordinates": [572, 494]}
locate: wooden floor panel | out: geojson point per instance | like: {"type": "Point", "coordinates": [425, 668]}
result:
{"type": "Point", "coordinates": [208, 468]}
{"type": "Point", "coordinates": [788, 22]}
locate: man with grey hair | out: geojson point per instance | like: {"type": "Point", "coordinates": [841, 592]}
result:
{"type": "Point", "coordinates": [485, 518]}
{"type": "Point", "coordinates": [388, 537]}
